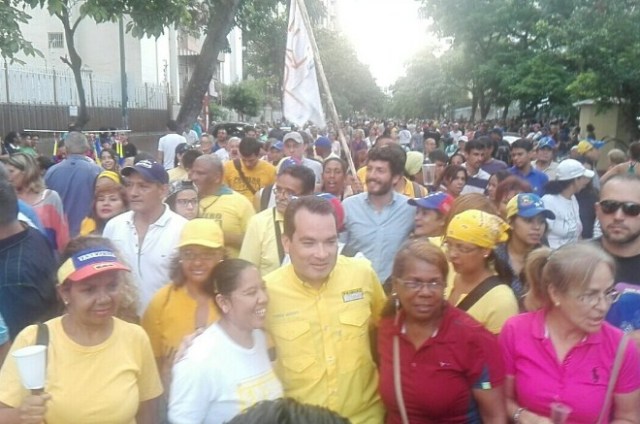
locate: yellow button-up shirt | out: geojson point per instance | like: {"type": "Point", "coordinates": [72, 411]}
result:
{"type": "Point", "coordinates": [322, 338]}
{"type": "Point", "coordinates": [260, 245]}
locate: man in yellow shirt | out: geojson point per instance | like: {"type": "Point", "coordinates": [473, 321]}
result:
{"type": "Point", "coordinates": [249, 174]}
{"type": "Point", "coordinates": [229, 209]}
{"type": "Point", "coordinates": [262, 243]}
{"type": "Point", "coordinates": [321, 312]}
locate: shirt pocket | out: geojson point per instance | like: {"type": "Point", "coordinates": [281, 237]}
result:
{"type": "Point", "coordinates": [296, 358]}
{"type": "Point", "coordinates": [354, 337]}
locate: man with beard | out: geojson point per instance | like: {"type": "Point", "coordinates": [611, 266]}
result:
{"type": "Point", "coordinates": [378, 221]}
{"type": "Point", "coordinates": [619, 214]}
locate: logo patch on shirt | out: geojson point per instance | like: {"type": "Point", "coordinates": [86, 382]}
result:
{"type": "Point", "coordinates": [351, 295]}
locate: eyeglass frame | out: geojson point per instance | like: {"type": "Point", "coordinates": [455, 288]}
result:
{"type": "Point", "coordinates": [416, 286]}
{"type": "Point", "coordinates": [592, 300]}
{"type": "Point", "coordinates": [609, 207]}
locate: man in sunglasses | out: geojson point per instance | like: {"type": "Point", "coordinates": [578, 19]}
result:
{"type": "Point", "coordinates": [619, 214]}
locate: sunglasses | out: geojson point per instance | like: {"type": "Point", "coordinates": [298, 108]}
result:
{"type": "Point", "coordinates": [628, 208]}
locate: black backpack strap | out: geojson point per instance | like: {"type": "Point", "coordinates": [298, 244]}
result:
{"type": "Point", "coordinates": [276, 225]}
{"type": "Point", "coordinates": [479, 291]}
{"type": "Point", "coordinates": [266, 196]}
{"type": "Point", "coordinates": [42, 336]}
{"type": "Point", "coordinates": [348, 251]}
{"type": "Point", "coordinates": [245, 180]}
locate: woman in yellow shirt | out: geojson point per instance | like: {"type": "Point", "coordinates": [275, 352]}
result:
{"type": "Point", "coordinates": [98, 366]}
{"type": "Point", "coordinates": [182, 306]}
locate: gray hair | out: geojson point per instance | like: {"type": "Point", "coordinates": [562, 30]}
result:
{"type": "Point", "coordinates": [76, 143]}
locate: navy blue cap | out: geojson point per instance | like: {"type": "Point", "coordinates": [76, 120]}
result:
{"type": "Point", "coordinates": [151, 171]}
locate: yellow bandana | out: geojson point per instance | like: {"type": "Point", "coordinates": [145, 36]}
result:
{"type": "Point", "coordinates": [479, 228]}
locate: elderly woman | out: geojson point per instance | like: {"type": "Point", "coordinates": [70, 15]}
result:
{"type": "Point", "coordinates": [564, 352]}
{"type": "Point", "coordinates": [25, 177]}
{"type": "Point", "coordinates": [470, 241]}
{"type": "Point", "coordinates": [184, 305]}
{"type": "Point", "coordinates": [437, 364]}
{"type": "Point", "coordinates": [527, 217]}
{"type": "Point", "coordinates": [109, 200]}
{"type": "Point", "coordinates": [227, 368]}
{"type": "Point", "coordinates": [97, 365]}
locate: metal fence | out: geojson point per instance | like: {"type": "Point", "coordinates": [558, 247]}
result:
{"type": "Point", "coordinates": [47, 86]}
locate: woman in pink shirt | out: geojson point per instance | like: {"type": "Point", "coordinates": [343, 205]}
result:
{"type": "Point", "coordinates": [563, 351]}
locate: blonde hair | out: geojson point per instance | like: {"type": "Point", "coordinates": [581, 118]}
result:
{"type": "Point", "coordinates": [569, 267]}
{"type": "Point", "coordinates": [27, 163]}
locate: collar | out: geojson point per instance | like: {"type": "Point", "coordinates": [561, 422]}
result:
{"type": "Point", "coordinates": [516, 171]}
{"type": "Point", "coordinates": [162, 221]}
{"type": "Point", "coordinates": [541, 331]}
{"type": "Point", "coordinates": [441, 335]}
{"type": "Point", "coordinates": [394, 197]}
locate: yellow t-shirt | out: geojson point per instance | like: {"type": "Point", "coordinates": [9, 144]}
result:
{"type": "Point", "coordinates": [230, 210]}
{"type": "Point", "coordinates": [260, 246]}
{"type": "Point", "coordinates": [322, 338]}
{"type": "Point", "coordinates": [170, 316]}
{"type": "Point", "coordinates": [261, 175]}
{"type": "Point", "coordinates": [408, 190]}
{"type": "Point", "coordinates": [493, 309]}
{"type": "Point", "coordinates": [178, 174]}
{"type": "Point", "coordinates": [89, 384]}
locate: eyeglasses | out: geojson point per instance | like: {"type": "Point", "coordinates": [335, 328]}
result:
{"type": "Point", "coordinates": [461, 249]}
{"type": "Point", "coordinates": [284, 192]}
{"type": "Point", "coordinates": [415, 285]}
{"type": "Point", "coordinates": [192, 256]}
{"type": "Point", "coordinates": [592, 299]}
{"type": "Point", "coordinates": [187, 202]}
{"type": "Point", "coordinates": [628, 208]}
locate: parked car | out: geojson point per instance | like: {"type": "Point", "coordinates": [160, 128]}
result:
{"type": "Point", "coordinates": [234, 129]}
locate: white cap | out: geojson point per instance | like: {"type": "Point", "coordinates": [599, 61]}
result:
{"type": "Point", "coordinates": [293, 136]}
{"type": "Point", "coordinates": [569, 169]}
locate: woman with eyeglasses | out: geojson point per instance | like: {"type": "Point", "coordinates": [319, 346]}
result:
{"type": "Point", "coordinates": [437, 364]}
{"type": "Point", "coordinates": [183, 199]}
{"type": "Point", "coordinates": [184, 305]}
{"type": "Point", "coordinates": [227, 368]}
{"type": "Point", "coordinates": [481, 281]}
{"type": "Point", "coordinates": [563, 352]}
{"type": "Point", "coordinates": [26, 179]}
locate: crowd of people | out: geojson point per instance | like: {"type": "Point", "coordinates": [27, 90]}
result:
{"type": "Point", "coordinates": [279, 276]}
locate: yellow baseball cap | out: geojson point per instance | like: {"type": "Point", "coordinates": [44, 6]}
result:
{"type": "Point", "coordinates": [202, 232]}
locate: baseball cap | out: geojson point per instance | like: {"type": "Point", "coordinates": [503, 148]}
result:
{"type": "Point", "coordinates": [89, 262]}
{"type": "Point", "coordinates": [337, 207]}
{"type": "Point", "coordinates": [528, 205]}
{"type": "Point", "coordinates": [293, 136]}
{"type": "Point", "coordinates": [585, 145]}
{"type": "Point", "coordinates": [569, 169]}
{"type": "Point", "coordinates": [178, 186]}
{"type": "Point", "coordinates": [323, 142]}
{"type": "Point", "coordinates": [439, 201]}
{"type": "Point", "coordinates": [202, 232]}
{"type": "Point", "coordinates": [278, 145]}
{"type": "Point", "coordinates": [546, 142]}
{"type": "Point", "coordinates": [149, 170]}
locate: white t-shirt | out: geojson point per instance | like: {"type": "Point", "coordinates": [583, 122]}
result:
{"type": "Point", "coordinates": [167, 145]}
{"type": "Point", "coordinates": [567, 227]}
{"type": "Point", "coordinates": [218, 379]}
{"type": "Point", "coordinates": [223, 154]}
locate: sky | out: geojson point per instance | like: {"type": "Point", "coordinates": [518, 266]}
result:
{"type": "Point", "coordinates": [385, 33]}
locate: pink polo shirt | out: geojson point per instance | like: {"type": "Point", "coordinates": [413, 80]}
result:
{"type": "Point", "coordinates": [580, 381]}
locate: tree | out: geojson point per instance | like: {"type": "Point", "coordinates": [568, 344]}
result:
{"type": "Point", "coordinates": [245, 97]}
{"type": "Point", "coordinates": [11, 39]}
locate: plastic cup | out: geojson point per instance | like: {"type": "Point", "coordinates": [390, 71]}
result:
{"type": "Point", "coordinates": [429, 174]}
{"type": "Point", "coordinates": [31, 362]}
{"type": "Point", "coordinates": [560, 413]}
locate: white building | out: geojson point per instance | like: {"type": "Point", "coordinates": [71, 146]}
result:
{"type": "Point", "coordinates": [166, 61]}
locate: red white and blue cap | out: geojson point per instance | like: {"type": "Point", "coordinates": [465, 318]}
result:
{"type": "Point", "coordinates": [89, 262]}
{"type": "Point", "coordinates": [439, 201]}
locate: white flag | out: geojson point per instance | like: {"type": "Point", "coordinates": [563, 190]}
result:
{"type": "Point", "coordinates": [301, 94]}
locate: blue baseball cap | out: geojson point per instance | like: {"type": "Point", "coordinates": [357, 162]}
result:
{"type": "Point", "coordinates": [151, 171]}
{"type": "Point", "coordinates": [323, 142]}
{"type": "Point", "coordinates": [527, 205]}
{"type": "Point", "coordinates": [439, 201]}
{"type": "Point", "coordinates": [278, 145]}
{"type": "Point", "coordinates": [546, 142]}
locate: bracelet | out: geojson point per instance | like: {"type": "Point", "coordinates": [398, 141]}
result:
{"type": "Point", "coordinates": [516, 415]}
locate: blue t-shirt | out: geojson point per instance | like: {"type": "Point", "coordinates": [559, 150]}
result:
{"type": "Point", "coordinates": [535, 178]}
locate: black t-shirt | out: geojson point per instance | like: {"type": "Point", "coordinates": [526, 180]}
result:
{"type": "Point", "coordinates": [627, 269]}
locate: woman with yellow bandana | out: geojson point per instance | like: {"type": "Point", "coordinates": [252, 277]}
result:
{"type": "Point", "coordinates": [470, 240]}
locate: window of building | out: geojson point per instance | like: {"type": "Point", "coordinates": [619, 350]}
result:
{"type": "Point", "coordinates": [56, 40]}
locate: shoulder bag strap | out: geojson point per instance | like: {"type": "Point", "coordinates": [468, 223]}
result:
{"type": "Point", "coordinates": [615, 371]}
{"type": "Point", "coordinates": [245, 180]}
{"type": "Point", "coordinates": [276, 225]}
{"type": "Point", "coordinates": [397, 380]}
{"type": "Point", "coordinates": [42, 336]}
{"type": "Point", "coordinates": [266, 196]}
{"type": "Point", "coordinates": [479, 291]}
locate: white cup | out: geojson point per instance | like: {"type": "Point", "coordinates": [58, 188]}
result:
{"type": "Point", "coordinates": [31, 362]}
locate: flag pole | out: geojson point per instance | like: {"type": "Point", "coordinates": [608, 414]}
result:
{"type": "Point", "coordinates": [325, 85]}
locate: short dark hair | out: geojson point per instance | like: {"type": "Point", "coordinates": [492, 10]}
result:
{"type": "Point", "coordinates": [304, 174]}
{"type": "Point", "coordinates": [8, 203]}
{"type": "Point", "coordinates": [173, 125]}
{"type": "Point", "coordinates": [473, 145]}
{"type": "Point", "coordinates": [189, 157]}
{"type": "Point", "coordinates": [522, 143]}
{"type": "Point", "coordinates": [315, 205]}
{"type": "Point", "coordinates": [393, 154]}
{"type": "Point", "coordinates": [438, 156]}
{"type": "Point", "coordinates": [343, 164]}
{"type": "Point", "coordinates": [224, 277]}
{"type": "Point", "coordinates": [287, 411]}
{"type": "Point", "coordinates": [249, 146]}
